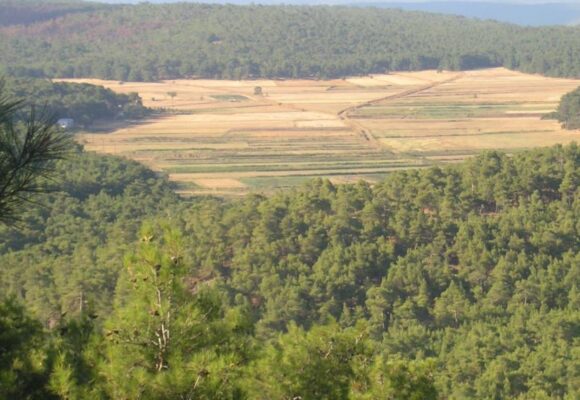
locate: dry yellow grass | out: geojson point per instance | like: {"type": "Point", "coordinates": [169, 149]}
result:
{"type": "Point", "coordinates": [468, 144]}
{"type": "Point", "coordinates": [223, 135]}
{"type": "Point", "coordinates": [487, 109]}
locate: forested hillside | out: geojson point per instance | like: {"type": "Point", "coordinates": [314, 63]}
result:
{"type": "Point", "coordinates": [149, 42]}
{"type": "Point", "coordinates": [21, 12]}
{"type": "Point", "coordinates": [457, 282]}
{"type": "Point", "coordinates": [82, 102]}
{"type": "Point", "coordinates": [538, 13]}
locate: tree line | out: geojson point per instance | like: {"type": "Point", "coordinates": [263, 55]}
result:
{"type": "Point", "coordinates": [150, 42]}
{"type": "Point", "coordinates": [82, 102]}
{"type": "Point", "coordinates": [568, 112]}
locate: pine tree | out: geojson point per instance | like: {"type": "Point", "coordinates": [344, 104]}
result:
{"type": "Point", "coordinates": [166, 339]}
{"type": "Point", "coordinates": [401, 380]}
{"type": "Point", "coordinates": [318, 364]}
{"type": "Point", "coordinates": [452, 306]}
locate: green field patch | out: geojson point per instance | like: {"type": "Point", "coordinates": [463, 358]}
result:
{"type": "Point", "coordinates": [454, 134]}
{"type": "Point", "coordinates": [445, 111]}
{"type": "Point", "coordinates": [286, 167]}
{"type": "Point", "coordinates": [429, 154]}
{"type": "Point", "coordinates": [244, 158]}
{"type": "Point", "coordinates": [269, 182]}
{"type": "Point", "coordinates": [280, 182]}
{"type": "Point", "coordinates": [234, 98]}
{"type": "Point", "coordinates": [182, 186]}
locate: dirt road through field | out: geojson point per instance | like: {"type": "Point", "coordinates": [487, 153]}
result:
{"type": "Point", "coordinates": [344, 114]}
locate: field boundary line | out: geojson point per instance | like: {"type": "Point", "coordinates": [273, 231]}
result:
{"type": "Point", "coordinates": [362, 131]}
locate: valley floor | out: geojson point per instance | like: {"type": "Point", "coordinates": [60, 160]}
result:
{"type": "Point", "coordinates": [222, 138]}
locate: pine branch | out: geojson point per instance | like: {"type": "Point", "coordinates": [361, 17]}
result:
{"type": "Point", "coordinates": [27, 155]}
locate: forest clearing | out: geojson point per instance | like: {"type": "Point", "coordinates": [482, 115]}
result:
{"type": "Point", "coordinates": [227, 137]}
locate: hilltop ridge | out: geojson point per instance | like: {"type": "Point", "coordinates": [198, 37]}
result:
{"type": "Point", "coordinates": [149, 42]}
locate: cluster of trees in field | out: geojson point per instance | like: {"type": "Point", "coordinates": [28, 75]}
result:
{"type": "Point", "coordinates": [82, 102]}
{"type": "Point", "coordinates": [568, 112]}
{"type": "Point", "coordinates": [149, 42]}
{"type": "Point", "coordinates": [455, 282]}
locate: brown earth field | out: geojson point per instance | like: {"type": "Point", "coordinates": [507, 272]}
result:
{"type": "Point", "coordinates": [218, 137]}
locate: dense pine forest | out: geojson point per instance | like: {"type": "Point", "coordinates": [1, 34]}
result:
{"type": "Point", "coordinates": [456, 282]}
{"type": "Point", "coordinates": [149, 42]}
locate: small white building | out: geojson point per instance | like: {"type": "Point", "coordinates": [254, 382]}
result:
{"type": "Point", "coordinates": [66, 123]}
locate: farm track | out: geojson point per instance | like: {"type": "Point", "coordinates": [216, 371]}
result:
{"type": "Point", "coordinates": [344, 114]}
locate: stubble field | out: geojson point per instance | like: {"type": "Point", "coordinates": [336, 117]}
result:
{"type": "Point", "coordinates": [221, 138]}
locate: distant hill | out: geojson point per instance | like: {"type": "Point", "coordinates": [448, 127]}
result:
{"type": "Point", "coordinates": [148, 42]}
{"type": "Point", "coordinates": [522, 14]}
{"type": "Point", "coordinates": [17, 12]}
{"type": "Point", "coordinates": [541, 13]}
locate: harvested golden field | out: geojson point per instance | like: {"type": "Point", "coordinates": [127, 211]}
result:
{"type": "Point", "coordinates": [227, 138]}
{"type": "Point", "coordinates": [487, 109]}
